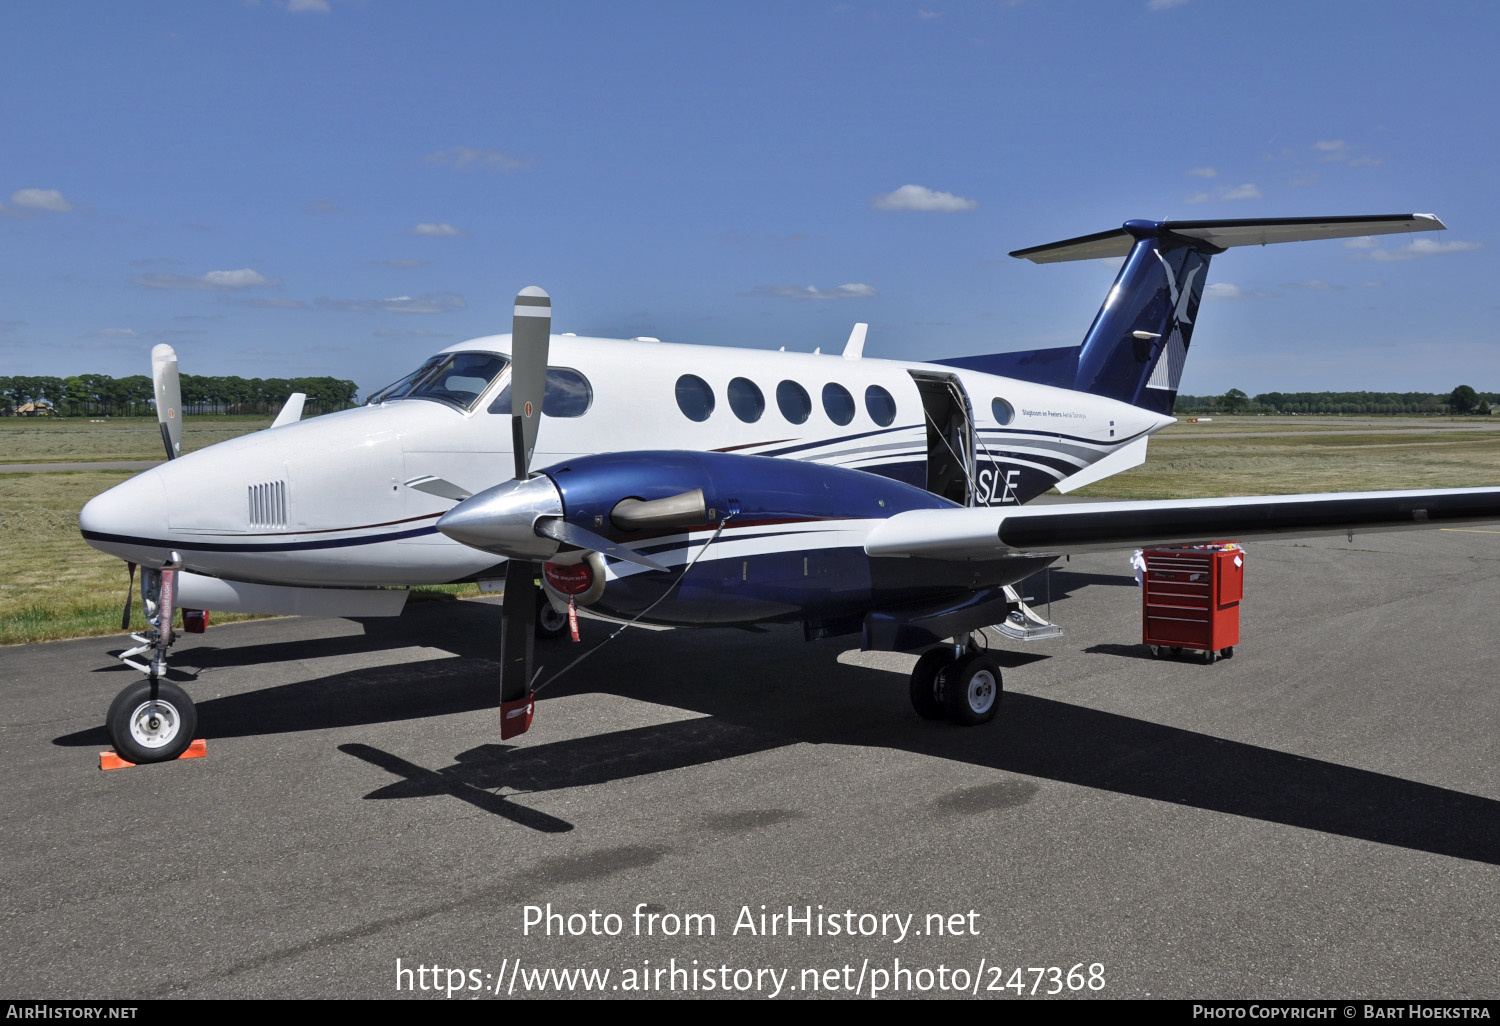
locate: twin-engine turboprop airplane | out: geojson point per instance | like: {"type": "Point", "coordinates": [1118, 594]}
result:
{"type": "Point", "coordinates": [688, 485]}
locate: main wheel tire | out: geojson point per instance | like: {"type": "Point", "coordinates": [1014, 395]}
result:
{"type": "Point", "coordinates": [924, 696]}
{"type": "Point", "coordinates": [151, 722]}
{"type": "Point", "coordinates": [971, 689]}
{"type": "Point", "coordinates": [549, 622]}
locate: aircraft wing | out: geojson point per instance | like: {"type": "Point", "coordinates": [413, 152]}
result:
{"type": "Point", "coordinates": [990, 532]}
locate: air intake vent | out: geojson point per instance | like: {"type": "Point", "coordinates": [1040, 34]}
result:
{"type": "Point", "coordinates": [268, 504]}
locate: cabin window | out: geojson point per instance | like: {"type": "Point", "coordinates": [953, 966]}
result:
{"type": "Point", "coordinates": [694, 398]}
{"type": "Point", "coordinates": [746, 400]}
{"type": "Point", "coordinates": [1003, 411]}
{"type": "Point", "coordinates": [794, 402]}
{"type": "Point", "coordinates": [568, 394]}
{"type": "Point", "coordinates": [457, 379]}
{"type": "Point", "coordinates": [838, 403]}
{"type": "Point", "coordinates": [880, 405]}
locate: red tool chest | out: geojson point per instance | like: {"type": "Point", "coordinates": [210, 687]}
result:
{"type": "Point", "coordinates": [1190, 599]}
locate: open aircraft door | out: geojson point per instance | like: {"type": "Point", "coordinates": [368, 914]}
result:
{"type": "Point", "coordinates": [950, 436]}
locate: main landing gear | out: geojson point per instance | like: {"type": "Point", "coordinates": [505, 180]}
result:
{"type": "Point", "coordinates": [549, 622]}
{"type": "Point", "coordinates": [152, 720]}
{"type": "Point", "coordinates": [957, 681]}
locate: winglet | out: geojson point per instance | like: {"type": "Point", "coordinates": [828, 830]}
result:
{"type": "Point", "coordinates": [855, 347]}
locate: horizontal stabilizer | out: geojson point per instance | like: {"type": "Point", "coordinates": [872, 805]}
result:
{"type": "Point", "coordinates": [1117, 462]}
{"type": "Point", "coordinates": [986, 533]}
{"type": "Point", "coordinates": [1221, 235]}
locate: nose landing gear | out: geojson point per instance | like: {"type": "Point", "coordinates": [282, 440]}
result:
{"type": "Point", "coordinates": [153, 720]}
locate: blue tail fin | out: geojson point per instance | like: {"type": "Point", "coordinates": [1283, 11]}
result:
{"type": "Point", "coordinates": [1137, 346]}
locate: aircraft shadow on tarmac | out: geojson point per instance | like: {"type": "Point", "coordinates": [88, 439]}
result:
{"type": "Point", "coordinates": [754, 699]}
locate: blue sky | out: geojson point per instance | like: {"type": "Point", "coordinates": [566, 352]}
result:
{"type": "Point", "coordinates": [339, 187]}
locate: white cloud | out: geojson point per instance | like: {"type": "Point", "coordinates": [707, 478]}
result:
{"type": "Point", "coordinates": [462, 158]}
{"type": "Point", "coordinates": [926, 15]}
{"type": "Point", "coordinates": [1224, 290]}
{"type": "Point", "coordinates": [426, 303]}
{"type": "Point", "coordinates": [410, 333]}
{"type": "Point", "coordinates": [244, 278]}
{"type": "Point", "coordinates": [308, 7]}
{"type": "Point", "coordinates": [919, 197]}
{"type": "Point", "coordinates": [1246, 191]}
{"type": "Point", "coordinates": [1419, 248]}
{"type": "Point", "coordinates": [213, 281]}
{"type": "Point", "coordinates": [1363, 242]}
{"type": "Point", "coordinates": [41, 199]}
{"type": "Point", "coordinates": [1339, 151]}
{"type": "Point", "coordinates": [1204, 172]}
{"type": "Point", "coordinates": [320, 206]}
{"type": "Point", "coordinates": [115, 333]}
{"type": "Point", "coordinates": [277, 303]}
{"type": "Point", "coordinates": [1227, 192]}
{"type": "Point", "coordinates": [429, 228]}
{"type": "Point", "coordinates": [852, 290]}
{"type": "Point", "coordinates": [1313, 285]}
{"type": "Point", "coordinates": [1164, 5]}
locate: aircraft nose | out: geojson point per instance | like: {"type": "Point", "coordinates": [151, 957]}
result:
{"type": "Point", "coordinates": [129, 516]}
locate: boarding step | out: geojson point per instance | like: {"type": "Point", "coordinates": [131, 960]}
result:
{"type": "Point", "coordinates": [1024, 624]}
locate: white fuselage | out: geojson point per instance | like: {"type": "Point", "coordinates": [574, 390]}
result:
{"type": "Point", "coordinates": [324, 503]}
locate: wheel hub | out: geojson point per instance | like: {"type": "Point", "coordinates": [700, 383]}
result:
{"type": "Point", "coordinates": [154, 724]}
{"type": "Point", "coordinates": [981, 692]}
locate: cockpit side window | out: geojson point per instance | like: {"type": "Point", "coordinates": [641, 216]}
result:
{"type": "Point", "coordinates": [458, 379]}
{"type": "Point", "coordinates": [568, 394]}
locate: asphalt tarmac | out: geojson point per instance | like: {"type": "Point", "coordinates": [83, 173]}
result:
{"type": "Point", "coordinates": [1318, 817]}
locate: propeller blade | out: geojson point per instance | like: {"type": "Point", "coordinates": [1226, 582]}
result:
{"type": "Point", "coordinates": [129, 592]}
{"type": "Point", "coordinates": [438, 486]}
{"type": "Point", "coordinates": [572, 534]}
{"type": "Point", "coordinates": [168, 398]}
{"type": "Point", "coordinates": [531, 330]}
{"type": "Point", "coordinates": [686, 510]}
{"type": "Point", "coordinates": [517, 629]}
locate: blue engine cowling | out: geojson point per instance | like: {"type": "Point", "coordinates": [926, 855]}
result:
{"type": "Point", "coordinates": [790, 547]}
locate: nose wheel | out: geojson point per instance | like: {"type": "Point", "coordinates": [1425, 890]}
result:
{"type": "Point", "coordinates": [151, 721]}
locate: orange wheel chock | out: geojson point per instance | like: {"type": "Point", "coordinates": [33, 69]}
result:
{"type": "Point", "coordinates": [109, 760]}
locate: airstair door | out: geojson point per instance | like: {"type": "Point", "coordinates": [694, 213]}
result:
{"type": "Point", "coordinates": [950, 436]}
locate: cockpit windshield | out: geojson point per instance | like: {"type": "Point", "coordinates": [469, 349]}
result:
{"type": "Point", "coordinates": [458, 379]}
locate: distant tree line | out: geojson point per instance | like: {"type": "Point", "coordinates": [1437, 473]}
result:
{"type": "Point", "coordinates": [99, 395]}
{"type": "Point", "coordinates": [1462, 400]}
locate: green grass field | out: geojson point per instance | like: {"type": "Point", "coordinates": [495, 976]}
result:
{"type": "Point", "coordinates": [53, 585]}
{"type": "Point", "coordinates": [1186, 462]}
{"type": "Point", "coordinates": [79, 440]}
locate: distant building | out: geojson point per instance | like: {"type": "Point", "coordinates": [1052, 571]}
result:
{"type": "Point", "coordinates": [39, 408]}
